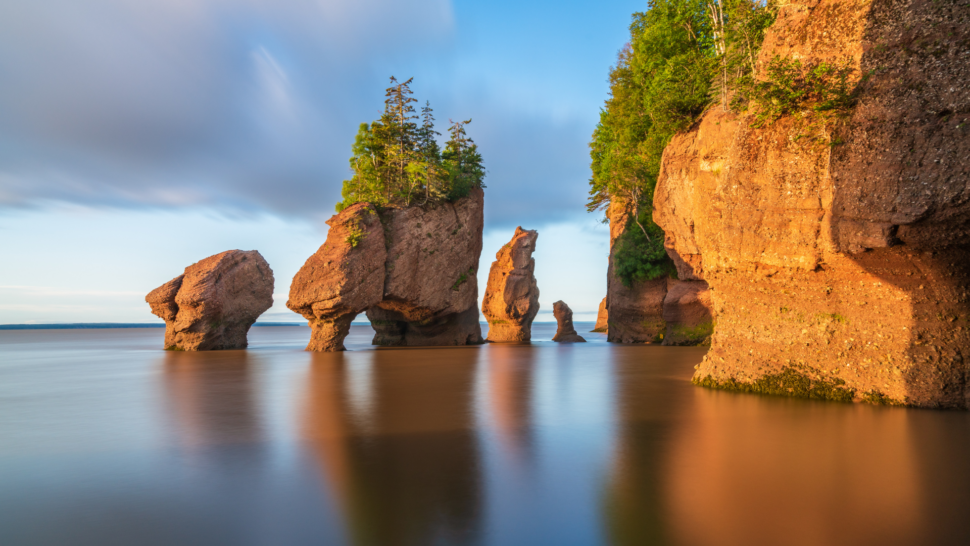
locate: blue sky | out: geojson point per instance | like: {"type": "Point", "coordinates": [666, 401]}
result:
{"type": "Point", "coordinates": [139, 137]}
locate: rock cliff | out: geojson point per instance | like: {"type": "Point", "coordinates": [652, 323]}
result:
{"type": "Point", "coordinates": [602, 318]}
{"type": "Point", "coordinates": [412, 270]}
{"type": "Point", "coordinates": [565, 331]}
{"type": "Point", "coordinates": [837, 252]}
{"type": "Point", "coordinates": [512, 296]}
{"type": "Point", "coordinates": [215, 302]}
{"type": "Point", "coordinates": [636, 311]}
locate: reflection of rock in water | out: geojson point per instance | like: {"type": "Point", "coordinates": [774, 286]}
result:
{"type": "Point", "coordinates": [212, 397]}
{"type": "Point", "coordinates": [393, 433]}
{"type": "Point", "coordinates": [633, 494]}
{"type": "Point", "coordinates": [750, 470]}
{"type": "Point", "coordinates": [510, 374]}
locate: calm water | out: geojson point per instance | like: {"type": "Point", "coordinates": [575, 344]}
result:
{"type": "Point", "coordinates": [104, 440]}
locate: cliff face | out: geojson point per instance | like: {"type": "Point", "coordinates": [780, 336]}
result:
{"type": "Point", "coordinates": [635, 312]}
{"type": "Point", "coordinates": [214, 302]}
{"type": "Point", "coordinates": [412, 270]}
{"type": "Point", "coordinates": [838, 263]}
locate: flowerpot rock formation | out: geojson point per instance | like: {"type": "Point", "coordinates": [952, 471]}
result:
{"type": "Point", "coordinates": [602, 318]}
{"type": "Point", "coordinates": [413, 271]}
{"type": "Point", "coordinates": [512, 296]}
{"type": "Point", "coordinates": [837, 251]}
{"type": "Point", "coordinates": [565, 331]}
{"type": "Point", "coordinates": [214, 303]}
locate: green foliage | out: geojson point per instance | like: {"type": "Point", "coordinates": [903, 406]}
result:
{"type": "Point", "coordinates": [354, 236]}
{"type": "Point", "coordinates": [682, 55]}
{"type": "Point", "coordinates": [789, 382]}
{"type": "Point", "coordinates": [823, 88]}
{"type": "Point", "coordinates": [397, 162]}
{"type": "Point", "coordinates": [637, 258]}
{"type": "Point", "coordinates": [461, 279]}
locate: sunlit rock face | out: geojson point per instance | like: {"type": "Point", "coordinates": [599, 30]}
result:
{"type": "Point", "coordinates": [215, 302]}
{"type": "Point", "coordinates": [602, 318]}
{"type": "Point", "coordinates": [344, 278]}
{"type": "Point", "coordinates": [565, 331]}
{"type": "Point", "coordinates": [836, 252]}
{"type": "Point", "coordinates": [635, 311]}
{"type": "Point", "coordinates": [512, 296]}
{"type": "Point", "coordinates": [412, 270]}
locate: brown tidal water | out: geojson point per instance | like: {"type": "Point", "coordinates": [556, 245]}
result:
{"type": "Point", "coordinates": [105, 439]}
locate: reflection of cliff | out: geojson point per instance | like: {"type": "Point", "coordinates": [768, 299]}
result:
{"type": "Point", "coordinates": [393, 432]}
{"type": "Point", "coordinates": [211, 397]}
{"type": "Point", "coordinates": [633, 495]}
{"type": "Point", "coordinates": [806, 474]}
{"type": "Point", "coordinates": [510, 373]}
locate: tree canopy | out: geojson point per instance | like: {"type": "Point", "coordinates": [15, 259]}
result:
{"type": "Point", "coordinates": [396, 160]}
{"type": "Point", "coordinates": [683, 56]}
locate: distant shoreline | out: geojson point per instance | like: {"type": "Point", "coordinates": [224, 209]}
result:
{"type": "Point", "coordinates": [109, 325]}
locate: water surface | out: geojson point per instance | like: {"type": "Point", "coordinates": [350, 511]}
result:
{"type": "Point", "coordinates": [105, 439]}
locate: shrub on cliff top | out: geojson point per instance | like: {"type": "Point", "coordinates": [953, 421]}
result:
{"type": "Point", "coordinates": [397, 162]}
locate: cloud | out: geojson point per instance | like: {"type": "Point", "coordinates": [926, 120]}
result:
{"type": "Point", "coordinates": [250, 105]}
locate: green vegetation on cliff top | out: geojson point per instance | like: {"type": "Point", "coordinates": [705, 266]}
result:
{"type": "Point", "coordinates": [395, 161]}
{"type": "Point", "coordinates": [683, 56]}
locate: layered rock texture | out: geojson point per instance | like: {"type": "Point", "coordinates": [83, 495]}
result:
{"type": "Point", "coordinates": [602, 318]}
{"type": "Point", "coordinates": [512, 296]}
{"type": "Point", "coordinates": [837, 251]}
{"type": "Point", "coordinates": [565, 331]}
{"type": "Point", "coordinates": [215, 302]}
{"type": "Point", "coordinates": [412, 270]}
{"type": "Point", "coordinates": [687, 313]}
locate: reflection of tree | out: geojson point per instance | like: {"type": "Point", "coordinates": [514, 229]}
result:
{"type": "Point", "coordinates": [211, 395]}
{"type": "Point", "coordinates": [403, 464]}
{"type": "Point", "coordinates": [510, 373]}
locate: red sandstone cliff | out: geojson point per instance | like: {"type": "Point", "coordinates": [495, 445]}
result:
{"type": "Point", "coordinates": [838, 263]}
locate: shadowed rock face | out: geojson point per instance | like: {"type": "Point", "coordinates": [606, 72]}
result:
{"type": "Point", "coordinates": [413, 270]}
{"type": "Point", "coordinates": [838, 262]}
{"type": "Point", "coordinates": [602, 318]}
{"type": "Point", "coordinates": [215, 302]}
{"type": "Point", "coordinates": [344, 278]}
{"type": "Point", "coordinates": [565, 331]}
{"type": "Point", "coordinates": [635, 312]}
{"type": "Point", "coordinates": [687, 312]}
{"type": "Point", "coordinates": [512, 296]}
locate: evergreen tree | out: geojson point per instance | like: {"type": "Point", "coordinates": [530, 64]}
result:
{"type": "Point", "coordinates": [395, 161]}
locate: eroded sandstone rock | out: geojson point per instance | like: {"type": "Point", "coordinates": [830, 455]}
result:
{"type": "Point", "coordinates": [565, 331]}
{"type": "Point", "coordinates": [215, 302]}
{"type": "Point", "coordinates": [412, 270]}
{"type": "Point", "coordinates": [512, 296]}
{"type": "Point", "coordinates": [687, 313]}
{"type": "Point", "coordinates": [837, 252]}
{"type": "Point", "coordinates": [344, 278]}
{"type": "Point", "coordinates": [431, 281]}
{"type": "Point", "coordinates": [602, 318]}
{"type": "Point", "coordinates": [635, 311]}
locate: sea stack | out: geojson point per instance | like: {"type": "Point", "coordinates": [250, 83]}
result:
{"type": "Point", "coordinates": [512, 296]}
{"type": "Point", "coordinates": [565, 332]}
{"type": "Point", "coordinates": [413, 270]}
{"type": "Point", "coordinates": [344, 278]}
{"type": "Point", "coordinates": [602, 318]}
{"type": "Point", "coordinates": [837, 251]}
{"type": "Point", "coordinates": [214, 303]}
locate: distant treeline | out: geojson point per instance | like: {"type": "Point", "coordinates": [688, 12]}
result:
{"type": "Point", "coordinates": [397, 161]}
{"type": "Point", "coordinates": [683, 57]}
